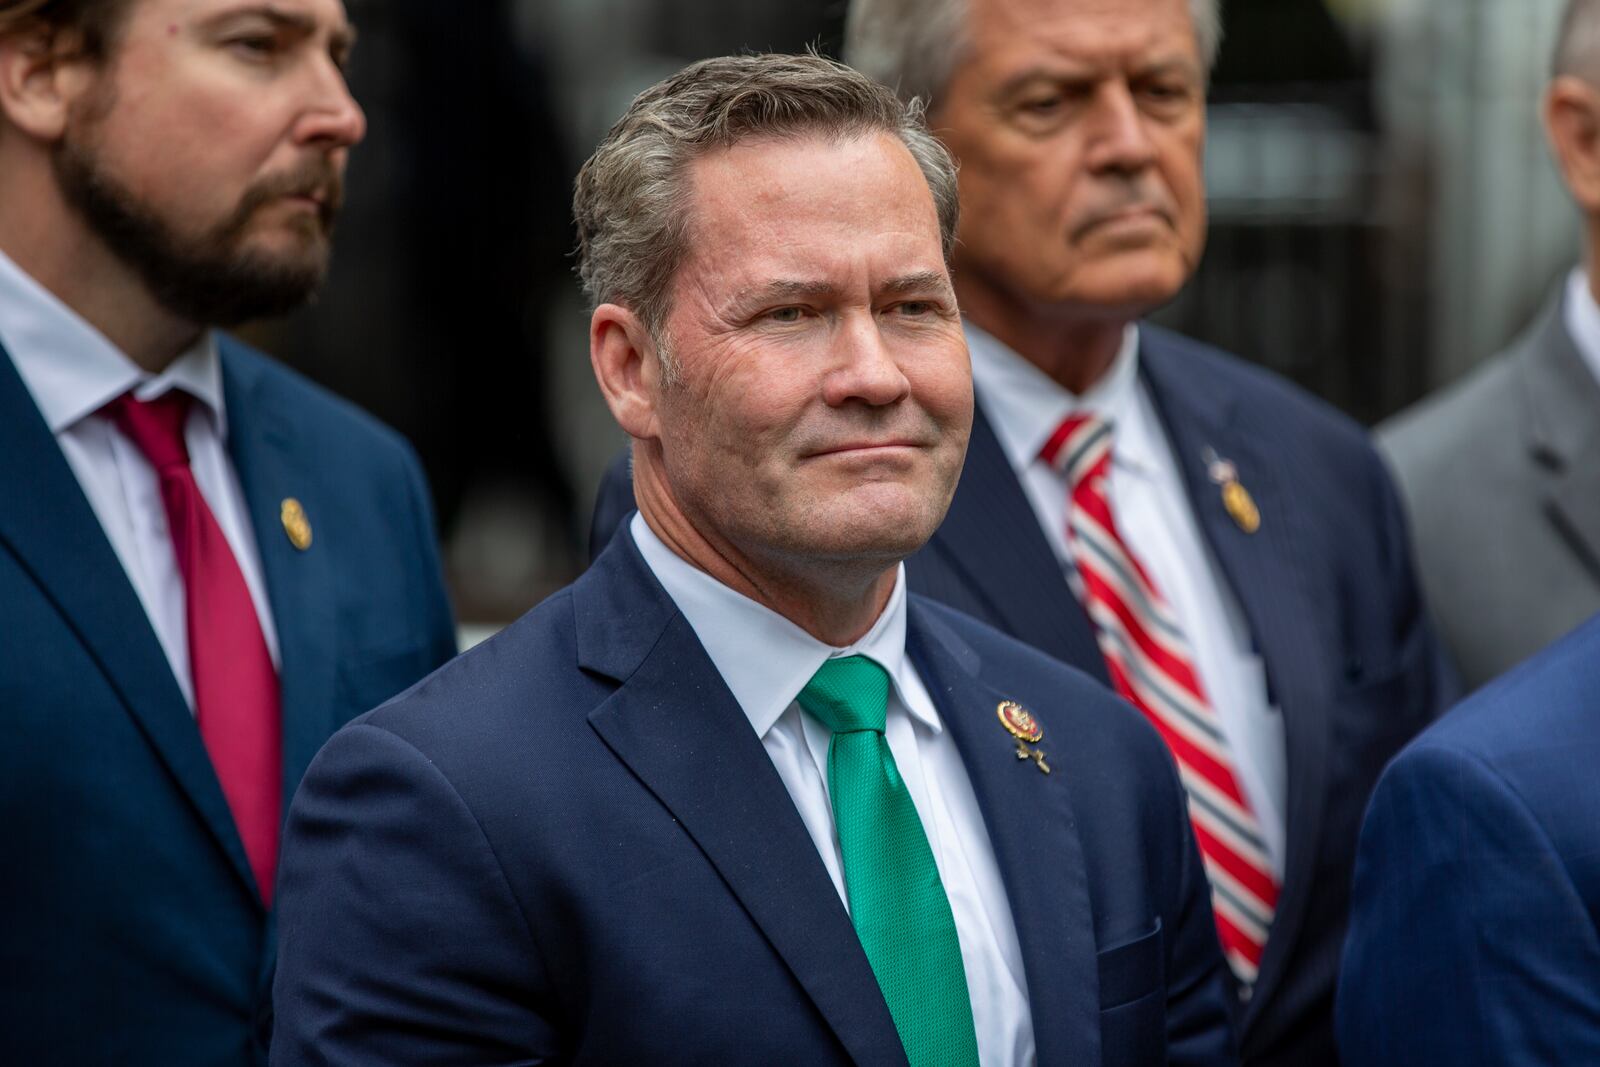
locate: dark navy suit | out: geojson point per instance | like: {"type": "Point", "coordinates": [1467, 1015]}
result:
{"type": "Point", "coordinates": [1475, 933]}
{"type": "Point", "coordinates": [131, 932]}
{"type": "Point", "coordinates": [569, 846]}
{"type": "Point", "coordinates": [1328, 589]}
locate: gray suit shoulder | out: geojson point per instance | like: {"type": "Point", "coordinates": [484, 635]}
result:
{"type": "Point", "coordinates": [1447, 436]}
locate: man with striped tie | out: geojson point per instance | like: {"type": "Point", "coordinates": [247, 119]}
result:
{"type": "Point", "coordinates": [735, 797]}
{"type": "Point", "coordinates": [1224, 550]}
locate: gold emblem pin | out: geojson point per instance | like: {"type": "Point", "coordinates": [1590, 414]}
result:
{"type": "Point", "coordinates": [1240, 507]}
{"type": "Point", "coordinates": [1236, 499]}
{"type": "Point", "coordinates": [295, 523]}
{"type": "Point", "coordinates": [1025, 728]}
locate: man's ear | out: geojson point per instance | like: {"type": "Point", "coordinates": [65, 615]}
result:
{"type": "Point", "coordinates": [42, 73]}
{"type": "Point", "coordinates": [627, 365]}
{"type": "Point", "coordinates": [1572, 125]}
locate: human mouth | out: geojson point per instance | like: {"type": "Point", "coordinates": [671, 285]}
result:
{"type": "Point", "coordinates": [865, 448]}
{"type": "Point", "coordinates": [1135, 217]}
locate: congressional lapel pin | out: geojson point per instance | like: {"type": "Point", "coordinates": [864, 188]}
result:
{"type": "Point", "coordinates": [295, 523]}
{"type": "Point", "coordinates": [1025, 728]}
{"type": "Point", "coordinates": [1236, 499]}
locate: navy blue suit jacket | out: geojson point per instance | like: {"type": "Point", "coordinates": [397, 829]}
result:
{"type": "Point", "coordinates": [569, 846]}
{"type": "Point", "coordinates": [1475, 932]}
{"type": "Point", "coordinates": [132, 929]}
{"type": "Point", "coordinates": [1327, 587]}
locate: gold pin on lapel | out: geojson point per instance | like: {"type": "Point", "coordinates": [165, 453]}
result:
{"type": "Point", "coordinates": [1239, 504]}
{"type": "Point", "coordinates": [295, 523]}
{"type": "Point", "coordinates": [1025, 728]}
{"type": "Point", "coordinates": [1236, 499]}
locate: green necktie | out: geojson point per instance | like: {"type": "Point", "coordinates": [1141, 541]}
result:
{"type": "Point", "coordinates": [897, 902]}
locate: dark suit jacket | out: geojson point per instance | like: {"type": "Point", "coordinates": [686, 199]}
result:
{"type": "Point", "coordinates": [569, 846]}
{"type": "Point", "coordinates": [1475, 932]}
{"type": "Point", "coordinates": [133, 932]}
{"type": "Point", "coordinates": [1504, 468]}
{"type": "Point", "coordinates": [1326, 584]}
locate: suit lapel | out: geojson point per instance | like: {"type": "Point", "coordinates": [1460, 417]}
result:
{"type": "Point", "coordinates": [1274, 592]}
{"type": "Point", "coordinates": [1032, 827]}
{"type": "Point", "coordinates": [1560, 398]}
{"type": "Point", "coordinates": [58, 538]}
{"type": "Point", "coordinates": [992, 537]}
{"type": "Point", "coordinates": [273, 464]}
{"type": "Point", "coordinates": [676, 726]}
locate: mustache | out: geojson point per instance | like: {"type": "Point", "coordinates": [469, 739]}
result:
{"type": "Point", "coordinates": [316, 177]}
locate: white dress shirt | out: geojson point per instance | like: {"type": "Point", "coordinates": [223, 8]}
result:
{"type": "Point", "coordinates": [72, 371]}
{"type": "Point", "coordinates": [1152, 513]}
{"type": "Point", "coordinates": [766, 660]}
{"type": "Point", "coordinates": [1581, 316]}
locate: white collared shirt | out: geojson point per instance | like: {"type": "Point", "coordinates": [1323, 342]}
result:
{"type": "Point", "coordinates": [1152, 512]}
{"type": "Point", "coordinates": [1581, 316]}
{"type": "Point", "coordinates": [766, 660]}
{"type": "Point", "coordinates": [72, 370]}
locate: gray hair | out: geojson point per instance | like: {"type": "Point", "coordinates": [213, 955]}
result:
{"type": "Point", "coordinates": [1578, 44]}
{"type": "Point", "coordinates": [631, 200]}
{"type": "Point", "coordinates": [913, 46]}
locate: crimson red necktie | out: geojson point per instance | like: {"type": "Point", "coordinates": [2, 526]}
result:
{"type": "Point", "coordinates": [1151, 666]}
{"type": "Point", "coordinates": [235, 684]}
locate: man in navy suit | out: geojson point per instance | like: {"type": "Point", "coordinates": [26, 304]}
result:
{"type": "Point", "coordinates": [207, 565]}
{"type": "Point", "coordinates": [736, 796]}
{"type": "Point", "coordinates": [1475, 923]}
{"type": "Point", "coordinates": [1236, 521]}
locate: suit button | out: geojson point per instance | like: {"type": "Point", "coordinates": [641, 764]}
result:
{"type": "Point", "coordinates": [1245, 993]}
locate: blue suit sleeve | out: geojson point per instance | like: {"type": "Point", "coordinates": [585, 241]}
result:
{"type": "Point", "coordinates": [1468, 943]}
{"type": "Point", "coordinates": [400, 940]}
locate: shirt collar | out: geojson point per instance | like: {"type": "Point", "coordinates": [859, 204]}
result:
{"type": "Point", "coordinates": [763, 657]}
{"type": "Point", "coordinates": [72, 369]}
{"type": "Point", "coordinates": [1025, 405]}
{"type": "Point", "coordinates": [1582, 319]}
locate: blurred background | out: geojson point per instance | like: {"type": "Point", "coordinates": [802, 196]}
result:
{"type": "Point", "coordinates": [1383, 216]}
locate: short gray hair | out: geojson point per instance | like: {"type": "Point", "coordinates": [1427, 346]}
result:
{"type": "Point", "coordinates": [631, 200]}
{"type": "Point", "coordinates": [913, 46]}
{"type": "Point", "coordinates": [1577, 49]}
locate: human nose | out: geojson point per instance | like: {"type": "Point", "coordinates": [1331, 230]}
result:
{"type": "Point", "coordinates": [1119, 140]}
{"type": "Point", "coordinates": [866, 369]}
{"type": "Point", "coordinates": [332, 119]}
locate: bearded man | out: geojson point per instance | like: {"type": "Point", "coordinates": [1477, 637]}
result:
{"type": "Point", "coordinates": [206, 564]}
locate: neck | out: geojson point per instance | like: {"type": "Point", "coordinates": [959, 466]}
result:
{"type": "Point", "coordinates": [49, 241]}
{"type": "Point", "coordinates": [835, 602]}
{"type": "Point", "coordinates": [1075, 346]}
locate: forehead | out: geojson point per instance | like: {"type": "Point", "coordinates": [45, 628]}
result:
{"type": "Point", "coordinates": [1103, 32]}
{"type": "Point", "coordinates": [180, 14]}
{"type": "Point", "coordinates": [773, 206]}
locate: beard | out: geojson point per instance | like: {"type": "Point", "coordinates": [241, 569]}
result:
{"type": "Point", "coordinates": [212, 278]}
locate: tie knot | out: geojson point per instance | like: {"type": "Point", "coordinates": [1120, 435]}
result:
{"type": "Point", "coordinates": [1079, 448]}
{"type": "Point", "coordinates": [156, 426]}
{"type": "Point", "coordinates": [848, 695]}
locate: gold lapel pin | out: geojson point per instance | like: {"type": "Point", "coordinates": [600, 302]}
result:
{"type": "Point", "coordinates": [1236, 499]}
{"type": "Point", "coordinates": [1025, 728]}
{"type": "Point", "coordinates": [295, 523]}
{"type": "Point", "coordinates": [1241, 507]}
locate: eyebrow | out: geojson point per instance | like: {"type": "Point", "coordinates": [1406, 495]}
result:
{"type": "Point", "coordinates": [800, 289]}
{"type": "Point", "coordinates": [1087, 73]}
{"type": "Point", "coordinates": [341, 38]}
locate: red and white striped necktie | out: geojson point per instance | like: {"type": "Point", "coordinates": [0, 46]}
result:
{"type": "Point", "coordinates": [1151, 666]}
